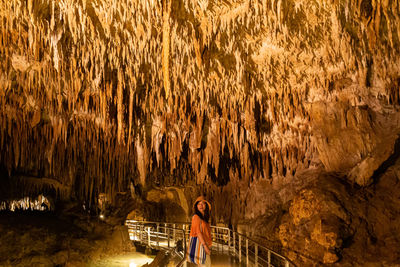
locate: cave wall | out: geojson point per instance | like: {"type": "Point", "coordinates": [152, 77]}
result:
{"type": "Point", "coordinates": [233, 99]}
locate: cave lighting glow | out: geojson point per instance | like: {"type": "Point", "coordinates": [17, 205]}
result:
{"type": "Point", "coordinates": [131, 259]}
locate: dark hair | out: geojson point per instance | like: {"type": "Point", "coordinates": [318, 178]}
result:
{"type": "Point", "coordinates": [206, 216]}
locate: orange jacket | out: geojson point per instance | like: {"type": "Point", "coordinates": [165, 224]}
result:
{"type": "Point", "coordinates": [205, 229]}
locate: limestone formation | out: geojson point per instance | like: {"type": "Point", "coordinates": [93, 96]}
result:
{"type": "Point", "coordinates": [235, 99]}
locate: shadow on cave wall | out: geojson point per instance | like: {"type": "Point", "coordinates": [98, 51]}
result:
{"type": "Point", "coordinates": [388, 163]}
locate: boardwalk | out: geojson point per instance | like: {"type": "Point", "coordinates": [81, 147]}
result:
{"type": "Point", "coordinates": [229, 247]}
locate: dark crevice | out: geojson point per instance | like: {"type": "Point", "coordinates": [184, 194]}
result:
{"type": "Point", "coordinates": [387, 163]}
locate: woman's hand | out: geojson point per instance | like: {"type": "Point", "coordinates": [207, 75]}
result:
{"type": "Point", "coordinates": [208, 251]}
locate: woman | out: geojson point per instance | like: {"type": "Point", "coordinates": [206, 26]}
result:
{"type": "Point", "coordinates": [201, 229]}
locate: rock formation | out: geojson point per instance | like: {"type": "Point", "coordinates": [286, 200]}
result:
{"type": "Point", "coordinates": [284, 113]}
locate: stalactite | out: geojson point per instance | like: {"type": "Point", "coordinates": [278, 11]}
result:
{"type": "Point", "coordinates": [211, 63]}
{"type": "Point", "coordinates": [166, 30]}
{"type": "Point", "coordinates": [120, 107]}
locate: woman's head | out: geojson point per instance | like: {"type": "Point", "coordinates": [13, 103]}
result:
{"type": "Point", "coordinates": [202, 208]}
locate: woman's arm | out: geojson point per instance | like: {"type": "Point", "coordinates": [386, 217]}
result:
{"type": "Point", "coordinates": [200, 236]}
{"type": "Point", "coordinates": [196, 227]}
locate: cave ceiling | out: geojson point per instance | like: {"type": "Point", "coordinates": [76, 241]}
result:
{"type": "Point", "coordinates": [100, 96]}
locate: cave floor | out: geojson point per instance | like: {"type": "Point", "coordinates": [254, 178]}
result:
{"type": "Point", "coordinates": [44, 239]}
{"type": "Point", "coordinates": [131, 259]}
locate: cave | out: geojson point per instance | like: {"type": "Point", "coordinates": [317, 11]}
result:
{"type": "Point", "coordinates": [285, 115]}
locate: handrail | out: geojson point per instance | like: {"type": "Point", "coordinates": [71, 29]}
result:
{"type": "Point", "coordinates": [261, 246]}
{"type": "Point", "coordinates": [158, 235]}
{"type": "Point", "coordinates": [222, 237]}
{"type": "Point", "coordinates": [183, 260]}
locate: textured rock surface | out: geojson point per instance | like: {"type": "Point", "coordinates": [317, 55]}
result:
{"type": "Point", "coordinates": [36, 239]}
{"type": "Point", "coordinates": [249, 102]}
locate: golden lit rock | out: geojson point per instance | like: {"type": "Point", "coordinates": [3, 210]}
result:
{"type": "Point", "coordinates": [330, 258]}
{"type": "Point", "coordinates": [304, 206]}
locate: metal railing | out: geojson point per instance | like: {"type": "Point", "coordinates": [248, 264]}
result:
{"type": "Point", "coordinates": [225, 240]}
{"type": "Point", "coordinates": [158, 235]}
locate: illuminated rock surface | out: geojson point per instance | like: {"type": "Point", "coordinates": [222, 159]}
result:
{"type": "Point", "coordinates": [284, 113]}
{"type": "Point", "coordinates": [29, 239]}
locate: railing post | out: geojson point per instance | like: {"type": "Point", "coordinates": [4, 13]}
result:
{"type": "Point", "coordinates": [158, 229]}
{"type": "Point", "coordinates": [148, 236]}
{"type": "Point", "coordinates": [229, 240]}
{"type": "Point", "coordinates": [141, 233]}
{"type": "Point", "coordinates": [218, 239]}
{"type": "Point", "coordinates": [184, 234]}
{"type": "Point", "coordinates": [184, 240]}
{"type": "Point", "coordinates": [186, 228]}
{"type": "Point", "coordinates": [286, 264]}
{"type": "Point", "coordinates": [168, 237]}
{"type": "Point", "coordinates": [269, 258]}
{"type": "Point", "coordinates": [247, 252]}
{"type": "Point", "coordinates": [256, 254]}
{"type": "Point", "coordinates": [234, 244]}
{"type": "Point", "coordinates": [138, 232]}
{"type": "Point", "coordinates": [174, 234]}
{"type": "Point", "coordinates": [240, 248]}
{"type": "Point", "coordinates": [221, 237]}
